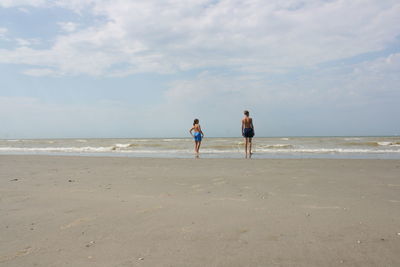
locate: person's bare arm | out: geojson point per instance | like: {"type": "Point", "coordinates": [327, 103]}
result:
{"type": "Point", "coordinates": [242, 127]}
{"type": "Point", "coordinates": [190, 131]}
{"type": "Point", "coordinates": [202, 134]}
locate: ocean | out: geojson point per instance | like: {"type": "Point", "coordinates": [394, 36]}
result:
{"type": "Point", "coordinates": [377, 147]}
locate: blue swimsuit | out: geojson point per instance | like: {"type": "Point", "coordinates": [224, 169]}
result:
{"type": "Point", "coordinates": [197, 136]}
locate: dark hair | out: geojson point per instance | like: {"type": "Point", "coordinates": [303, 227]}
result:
{"type": "Point", "coordinates": [246, 112]}
{"type": "Point", "coordinates": [196, 121]}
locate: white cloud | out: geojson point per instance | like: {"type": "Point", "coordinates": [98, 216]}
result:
{"type": "Point", "coordinates": [357, 84]}
{"type": "Point", "coordinates": [250, 36]}
{"type": "Point", "coordinates": [22, 42]}
{"type": "Point", "coordinates": [24, 10]}
{"type": "Point", "coordinates": [14, 3]}
{"type": "Point", "coordinates": [27, 42]}
{"type": "Point", "coordinates": [68, 26]}
{"type": "Point", "coordinates": [40, 72]}
{"type": "Point", "coordinates": [378, 80]}
{"type": "Point", "coordinates": [3, 32]}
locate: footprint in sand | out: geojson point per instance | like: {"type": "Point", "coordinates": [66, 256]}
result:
{"type": "Point", "coordinates": [322, 207]}
{"type": "Point", "coordinates": [302, 195]}
{"type": "Point", "coordinates": [75, 223]}
{"type": "Point", "coordinates": [187, 229]}
{"type": "Point", "coordinates": [150, 209]}
{"type": "Point", "coordinates": [198, 187]}
{"type": "Point", "coordinates": [229, 199]}
{"type": "Point", "coordinates": [20, 253]}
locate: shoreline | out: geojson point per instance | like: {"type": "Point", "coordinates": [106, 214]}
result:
{"type": "Point", "coordinates": [204, 155]}
{"type": "Point", "coordinates": [120, 211]}
{"type": "Point", "coordinates": [193, 157]}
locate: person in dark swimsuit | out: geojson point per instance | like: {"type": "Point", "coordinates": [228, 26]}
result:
{"type": "Point", "coordinates": [247, 132]}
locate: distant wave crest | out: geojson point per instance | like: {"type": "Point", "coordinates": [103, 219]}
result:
{"type": "Point", "coordinates": [373, 144]}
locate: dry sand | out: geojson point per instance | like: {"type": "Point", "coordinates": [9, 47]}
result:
{"type": "Point", "coordinates": [93, 211]}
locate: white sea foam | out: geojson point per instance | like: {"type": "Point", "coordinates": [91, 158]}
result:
{"type": "Point", "coordinates": [175, 139]}
{"type": "Point", "coordinates": [277, 146]}
{"type": "Point", "coordinates": [122, 145]}
{"type": "Point", "coordinates": [155, 152]}
{"type": "Point", "coordinates": [329, 150]}
{"type": "Point", "coordinates": [385, 143]}
{"type": "Point", "coordinates": [280, 148]}
{"type": "Point", "coordinates": [56, 149]}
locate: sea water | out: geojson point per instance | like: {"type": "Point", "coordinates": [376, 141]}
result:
{"type": "Point", "coordinates": [377, 147]}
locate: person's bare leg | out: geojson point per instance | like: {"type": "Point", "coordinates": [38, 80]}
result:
{"type": "Point", "coordinates": [198, 146]}
{"type": "Point", "coordinates": [195, 146]}
{"type": "Point", "coordinates": [250, 146]}
{"type": "Point", "coordinates": [246, 144]}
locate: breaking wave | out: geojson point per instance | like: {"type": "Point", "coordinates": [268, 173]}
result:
{"type": "Point", "coordinates": [332, 150]}
{"type": "Point", "coordinates": [215, 149]}
{"type": "Point", "coordinates": [277, 146]}
{"type": "Point", "coordinates": [56, 149]}
{"type": "Point", "coordinates": [373, 144]}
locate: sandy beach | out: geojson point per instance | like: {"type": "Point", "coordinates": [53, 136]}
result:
{"type": "Point", "coordinates": [99, 211]}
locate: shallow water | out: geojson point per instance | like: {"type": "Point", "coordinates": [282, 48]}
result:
{"type": "Point", "coordinates": [263, 147]}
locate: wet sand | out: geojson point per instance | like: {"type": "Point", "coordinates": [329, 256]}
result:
{"type": "Point", "coordinates": [97, 211]}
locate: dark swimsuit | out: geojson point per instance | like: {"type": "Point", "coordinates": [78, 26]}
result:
{"type": "Point", "coordinates": [248, 132]}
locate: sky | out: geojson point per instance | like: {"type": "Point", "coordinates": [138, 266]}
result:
{"type": "Point", "coordinates": [127, 68]}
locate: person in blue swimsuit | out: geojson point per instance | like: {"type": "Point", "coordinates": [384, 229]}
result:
{"type": "Point", "coordinates": [247, 132]}
{"type": "Point", "coordinates": [197, 135]}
